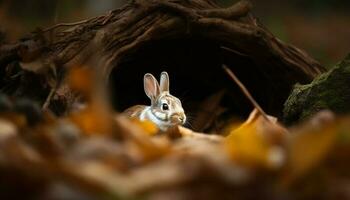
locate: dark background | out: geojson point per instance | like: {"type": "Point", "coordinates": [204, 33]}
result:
{"type": "Point", "coordinates": [321, 27]}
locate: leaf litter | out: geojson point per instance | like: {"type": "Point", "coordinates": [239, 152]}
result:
{"type": "Point", "coordinates": [97, 153]}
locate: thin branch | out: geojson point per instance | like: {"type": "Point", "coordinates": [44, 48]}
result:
{"type": "Point", "coordinates": [245, 91]}
{"type": "Point", "coordinates": [234, 51]}
{"type": "Point", "coordinates": [49, 98]}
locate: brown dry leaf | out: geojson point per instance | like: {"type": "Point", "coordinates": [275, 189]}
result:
{"type": "Point", "coordinates": [97, 116]}
{"type": "Point", "coordinates": [81, 79]}
{"type": "Point", "coordinates": [94, 119]}
{"type": "Point", "coordinates": [309, 145]}
{"type": "Point", "coordinates": [94, 177]}
{"type": "Point", "coordinates": [180, 131]}
{"type": "Point", "coordinates": [148, 126]}
{"type": "Point", "coordinates": [19, 120]}
{"type": "Point", "coordinates": [143, 147]}
{"type": "Point", "coordinates": [257, 142]}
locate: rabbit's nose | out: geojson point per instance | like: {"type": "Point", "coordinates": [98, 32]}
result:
{"type": "Point", "coordinates": [178, 118]}
{"type": "Point", "coordinates": [182, 118]}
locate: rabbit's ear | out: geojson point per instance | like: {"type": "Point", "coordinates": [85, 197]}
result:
{"type": "Point", "coordinates": [164, 82]}
{"type": "Point", "coordinates": [151, 86]}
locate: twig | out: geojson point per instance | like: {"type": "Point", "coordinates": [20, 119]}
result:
{"type": "Point", "coordinates": [49, 98]}
{"type": "Point", "coordinates": [53, 89]}
{"type": "Point", "coordinates": [233, 51]}
{"type": "Point", "coordinates": [245, 91]}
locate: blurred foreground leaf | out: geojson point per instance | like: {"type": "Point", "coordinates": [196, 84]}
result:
{"type": "Point", "coordinates": [257, 142]}
{"type": "Point", "coordinates": [310, 144]}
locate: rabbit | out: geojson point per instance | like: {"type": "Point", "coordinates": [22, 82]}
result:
{"type": "Point", "coordinates": [165, 110]}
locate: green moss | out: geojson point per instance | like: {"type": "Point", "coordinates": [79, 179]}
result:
{"type": "Point", "coordinates": [330, 90]}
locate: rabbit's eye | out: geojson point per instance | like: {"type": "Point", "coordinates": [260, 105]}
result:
{"type": "Point", "coordinates": [165, 106]}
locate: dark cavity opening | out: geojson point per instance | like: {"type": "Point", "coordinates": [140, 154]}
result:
{"type": "Point", "coordinates": [195, 70]}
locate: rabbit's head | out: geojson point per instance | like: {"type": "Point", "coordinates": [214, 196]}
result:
{"type": "Point", "coordinates": [166, 108]}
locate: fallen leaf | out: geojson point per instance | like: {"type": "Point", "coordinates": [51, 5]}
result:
{"type": "Point", "coordinates": [143, 146]}
{"type": "Point", "coordinates": [93, 119]}
{"type": "Point", "coordinates": [257, 142]}
{"type": "Point", "coordinates": [309, 144]}
{"type": "Point", "coordinates": [148, 126]}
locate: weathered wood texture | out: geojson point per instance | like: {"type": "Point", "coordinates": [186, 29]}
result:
{"type": "Point", "coordinates": [234, 33]}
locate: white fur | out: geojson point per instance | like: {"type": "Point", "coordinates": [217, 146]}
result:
{"type": "Point", "coordinates": [148, 115]}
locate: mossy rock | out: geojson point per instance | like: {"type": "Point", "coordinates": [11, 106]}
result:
{"type": "Point", "coordinates": [330, 90]}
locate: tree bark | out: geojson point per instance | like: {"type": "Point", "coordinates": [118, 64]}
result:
{"type": "Point", "coordinates": [267, 66]}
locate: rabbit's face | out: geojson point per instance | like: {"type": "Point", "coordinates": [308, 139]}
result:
{"type": "Point", "coordinates": [168, 109]}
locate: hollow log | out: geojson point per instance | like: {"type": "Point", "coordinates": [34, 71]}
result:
{"type": "Point", "coordinates": [191, 39]}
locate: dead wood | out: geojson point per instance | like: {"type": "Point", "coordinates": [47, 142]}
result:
{"type": "Point", "coordinates": [190, 39]}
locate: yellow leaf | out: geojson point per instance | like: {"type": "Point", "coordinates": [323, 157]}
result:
{"type": "Point", "coordinates": [81, 79]}
{"type": "Point", "coordinates": [93, 119]}
{"type": "Point", "coordinates": [149, 127]}
{"type": "Point", "coordinates": [257, 142]}
{"type": "Point", "coordinates": [309, 145]}
{"type": "Point", "coordinates": [144, 147]}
